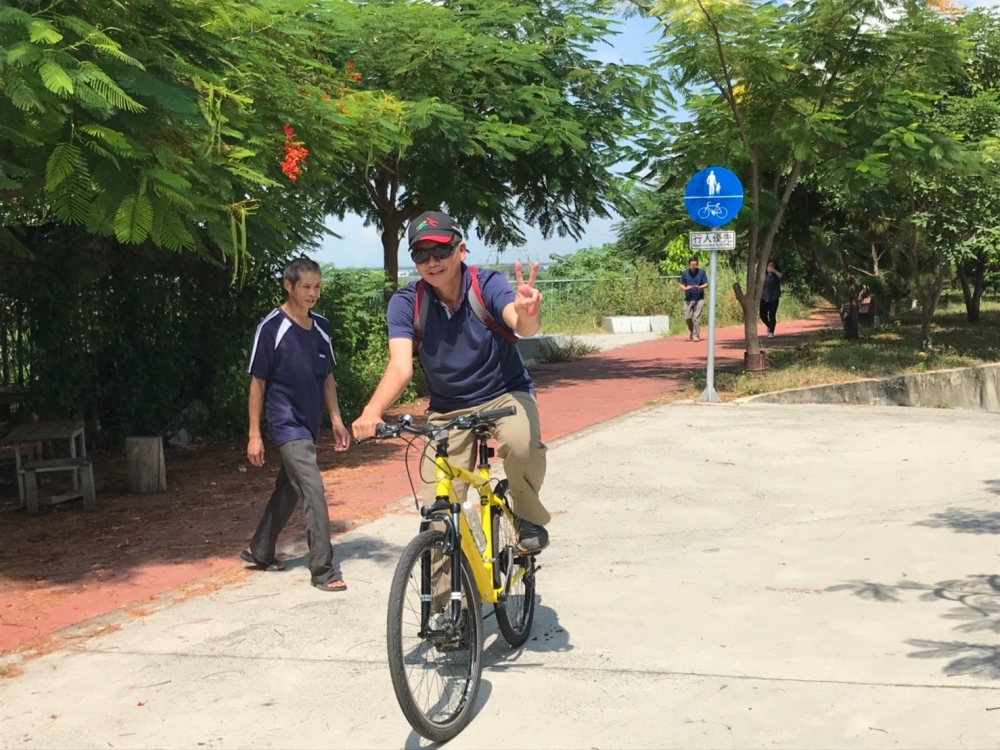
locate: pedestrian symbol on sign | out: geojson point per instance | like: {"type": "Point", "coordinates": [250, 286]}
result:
{"type": "Point", "coordinates": [712, 183]}
{"type": "Point", "coordinates": [713, 197]}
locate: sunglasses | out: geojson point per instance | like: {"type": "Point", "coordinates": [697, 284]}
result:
{"type": "Point", "coordinates": [440, 252]}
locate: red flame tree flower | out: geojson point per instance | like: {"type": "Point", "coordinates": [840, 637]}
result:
{"type": "Point", "coordinates": [295, 154]}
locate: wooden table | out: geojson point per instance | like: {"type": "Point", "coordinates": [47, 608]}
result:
{"type": "Point", "coordinates": [32, 433]}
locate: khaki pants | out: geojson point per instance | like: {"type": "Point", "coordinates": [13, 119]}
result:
{"type": "Point", "coordinates": [519, 440]}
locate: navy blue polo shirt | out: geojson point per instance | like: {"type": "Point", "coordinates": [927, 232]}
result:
{"type": "Point", "coordinates": [693, 279]}
{"type": "Point", "coordinates": [293, 362]}
{"type": "Point", "coordinates": [466, 364]}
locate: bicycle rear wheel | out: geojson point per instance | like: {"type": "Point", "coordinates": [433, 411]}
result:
{"type": "Point", "coordinates": [436, 664]}
{"type": "Point", "coordinates": [515, 613]}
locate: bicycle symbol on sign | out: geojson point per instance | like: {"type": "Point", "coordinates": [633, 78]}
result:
{"type": "Point", "coordinates": [715, 210]}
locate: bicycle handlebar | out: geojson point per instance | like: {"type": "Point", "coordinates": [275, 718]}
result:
{"type": "Point", "coordinates": [491, 415]}
{"type": "Point", "coordinates": [469, 422]}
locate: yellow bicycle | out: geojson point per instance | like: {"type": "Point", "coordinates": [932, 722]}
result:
{"type": "Point", "coordinates": [445, 575]}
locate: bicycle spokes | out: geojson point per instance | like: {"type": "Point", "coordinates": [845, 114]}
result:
{"type": "Point", "coordinates": [434, 655]}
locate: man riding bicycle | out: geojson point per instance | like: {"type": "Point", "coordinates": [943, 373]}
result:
{"type": "Point", "coordinates": [461, 322]}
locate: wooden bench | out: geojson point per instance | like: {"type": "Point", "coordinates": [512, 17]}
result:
{"type": "Point", "coordinates": [81, 467]}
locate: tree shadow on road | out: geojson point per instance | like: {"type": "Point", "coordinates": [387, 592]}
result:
{"type": "Point", "coordinates": [965, 520]}
{"type": "Point", "coordinates": [975, 607]}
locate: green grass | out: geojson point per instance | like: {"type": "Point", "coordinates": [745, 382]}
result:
{"type": "Point", "coordinates": [893, 350]}
{"type": "Point", "coordinates": [582, 313]}
{"type": "Point", "coordinates": [552, 353]}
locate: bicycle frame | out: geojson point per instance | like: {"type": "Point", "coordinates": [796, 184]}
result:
{"type": "Point", "coordinates": [482, 564]}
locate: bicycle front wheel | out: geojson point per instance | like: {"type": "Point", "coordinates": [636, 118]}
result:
{"type": "Point", "coordinates": [515, 574]}
{"type": "Point", "coordinates": [436, 663]}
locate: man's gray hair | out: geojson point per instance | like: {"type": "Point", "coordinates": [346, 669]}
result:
{"type": "Point", "coordinates": [295, 269]}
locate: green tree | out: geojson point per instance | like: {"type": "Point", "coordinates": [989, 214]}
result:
{"type": "Point", "coordinates": [505, 115]}
{"type": "Point", "coordinates": [973, 109]}
{"type": "Point", "coordinates": [775, 89]}
{"type": "Point", "coordinates": [165, 121]}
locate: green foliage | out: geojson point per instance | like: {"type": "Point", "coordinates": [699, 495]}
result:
{"type": "Point", "coordinates": [353, 301]}
{"type": "Point", "coordinates": [677, 257]}
{"type": "Point", "coordinates": [589, 263]}
{"type": "Point", "coordinates": [503, 118]}
{"type": "Point", "coordinates": [641, 293]}
{"type": "Point", "coordinates": [127, 340]}
{"type": "Point", "coordinates": [164, 122]}
{"type": "Point", "coordinates": [784, 91]}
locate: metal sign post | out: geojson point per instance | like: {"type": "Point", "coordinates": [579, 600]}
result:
{"type": "Point", "coordinates": [713, 241]}
{"type": "Point", "coordinates": [710, 394]}
{"type": "Point", "coordinates": [713, 198]}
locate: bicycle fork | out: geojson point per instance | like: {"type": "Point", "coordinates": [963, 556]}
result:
{"type": "Point", "coordinates": [452, 551]}
{"type": "Point", "coordinates": [446, 512]}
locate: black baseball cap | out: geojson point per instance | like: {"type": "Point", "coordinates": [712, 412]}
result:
{"type": "Point", "coordinates": [434, 226]}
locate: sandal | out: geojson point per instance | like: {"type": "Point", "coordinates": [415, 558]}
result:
{"type": "Point", "coordinates": [332, 585]}
{"type": "Point", "coordinates": [255, 564]}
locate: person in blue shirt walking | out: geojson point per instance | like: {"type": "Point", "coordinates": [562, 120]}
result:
{"type": "Point", "coordinates": [693, 282]}
{"type": "Point", "coordinates": [291, 368]}
{"type": "Point", "coordinates": [469, 355]}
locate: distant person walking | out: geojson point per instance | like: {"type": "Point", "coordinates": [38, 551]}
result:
{"type": "Point", "coordinates": [292, 377]}
{"type": "Point", "coordinates": [770, 297]}
{"type": "Point", "coordinates": [693, 282]}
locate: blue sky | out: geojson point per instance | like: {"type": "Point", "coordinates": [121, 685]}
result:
{"type": "Point", "coordinates": [360, 247]}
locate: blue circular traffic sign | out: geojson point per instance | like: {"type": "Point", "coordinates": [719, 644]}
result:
{"type": "Point", "coordinates": [713, 197]}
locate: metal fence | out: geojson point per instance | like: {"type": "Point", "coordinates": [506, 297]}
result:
{"type": "Point", "coordinates": [15, 343]}
{"type": "Point", "coordinates": [570, 292]}
{"type": "Point", "coordinates": [15, 351]}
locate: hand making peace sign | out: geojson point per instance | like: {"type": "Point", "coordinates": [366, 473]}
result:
{"type": "Point", "coordinates": [528, 300]}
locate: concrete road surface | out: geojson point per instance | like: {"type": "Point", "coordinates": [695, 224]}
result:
{"type": "Point", "coordinates": [720, 576]}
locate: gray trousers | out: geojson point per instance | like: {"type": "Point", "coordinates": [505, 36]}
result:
{"type": "Point", "coordinates": [299, 479]}
{"type": "Point", "coordinates": [692, 315]}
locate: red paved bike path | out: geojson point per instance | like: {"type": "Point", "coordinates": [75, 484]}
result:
{"type": "Point", "coordinates": [572, 396]}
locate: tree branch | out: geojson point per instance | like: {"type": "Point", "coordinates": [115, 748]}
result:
{"type": "Point", "coordinates": [727, 90]}
{"type": "Point", "coordinates": [772, 230]}
{"type": "Point", "coordinates": [808, 61]}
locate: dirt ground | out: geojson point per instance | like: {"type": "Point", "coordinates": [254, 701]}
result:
{"type": "Point", "coordinates": [210, 510]}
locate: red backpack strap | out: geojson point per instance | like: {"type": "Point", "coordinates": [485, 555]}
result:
{"type": "Point", "coordinates": [420, 305]}
{"type": "Point", "coordinates": [479, 309]}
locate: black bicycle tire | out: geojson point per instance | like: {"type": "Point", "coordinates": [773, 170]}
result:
{"type": "Point", "coordinates": [514, 635]}
{"type": "Point", "coordinates": [425, 727]}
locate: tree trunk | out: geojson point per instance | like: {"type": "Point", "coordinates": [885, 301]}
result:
{"type": "Point", "coordinates": [974, 287]}
{"type": "Point", "coordinates": [390, 254]}
{"type": "Point", "coordinates": [850, 316]}
{"type": "Point", "coordinates": [929, 298]}
{"type": "Point", "coordinates": [977, 299]}
{"type": "Point", "coordinates": [971, 313]}
{"type": "Point", "coordinates": [144, 459]}
{"type": "Point", "coordinates": [848, 305]}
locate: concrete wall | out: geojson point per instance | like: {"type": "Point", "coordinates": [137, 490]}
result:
{"type": "Point", "coordinates": [962, 388]}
